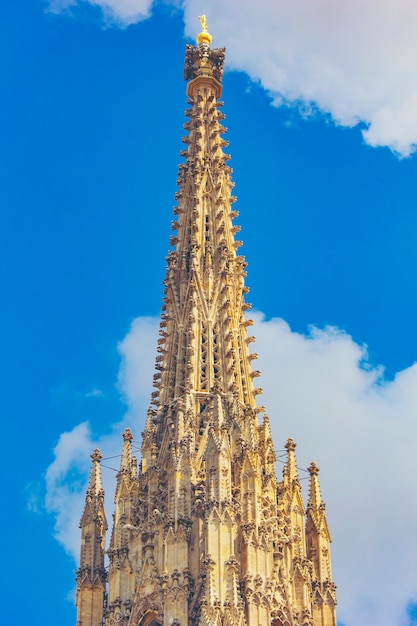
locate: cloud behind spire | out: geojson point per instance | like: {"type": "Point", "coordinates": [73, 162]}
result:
{"type": "Point", "coordinates": [320, 389]}
{"type": "Point", "coordinates": [351, 61]}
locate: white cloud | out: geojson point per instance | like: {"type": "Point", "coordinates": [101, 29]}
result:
{"type": "Point", "coordinates": [124, 12]}
{"type": "Point", "coordinates": [321, 390]}
{"type": "Point", "coordinates": [138, 351]}
{"type": "Point", "coordinates": [362, 431]}
{"type": "Point", "coordinates": [65, 484]}
{"type": "Point", "coordinates": [34, 497]}
{"type": "Point", "coordinates": [118, 12]}
{"type": "Point", "coordinates": [67, 476]}
{"type": "Point", "coordinates": [94, 393]}
{"type": "Point", "coordinates": [354, 61]}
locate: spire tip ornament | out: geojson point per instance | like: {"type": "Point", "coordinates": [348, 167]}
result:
{"type": "Point", "coordinates": [204, 37]}
{"type": "Point", "coordinates": [96, 455]}
{"type": "Point", "coordinates": [203, 64]}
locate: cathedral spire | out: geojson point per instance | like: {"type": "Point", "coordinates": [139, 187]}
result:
{"type": "Point", "coordinates": [203, 535]}
{"type": "Point", "coordinates": [204, 343]}
{"type": "Point", "coordinates": [91, 575]}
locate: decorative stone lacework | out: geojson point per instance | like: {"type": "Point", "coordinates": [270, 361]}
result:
{"type": "Point", "coordinates": [203, 534]}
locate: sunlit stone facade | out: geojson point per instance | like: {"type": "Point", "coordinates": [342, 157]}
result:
{"type": "Point", "coordinates": [203, 533]}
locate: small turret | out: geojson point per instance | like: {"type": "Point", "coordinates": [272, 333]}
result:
{"type": "Point", "coordinates": [128, 462]}
{"type": "Point", "coordinates": [292, 506]}
{"type": "Point", "coordinates": [318, 551]}
{"type": "Point", "coordinates": [121, 577]}
{"type": "Point", "coordinates": [291, 466]}
{"type": "Point", "coordinates": [91, 575]}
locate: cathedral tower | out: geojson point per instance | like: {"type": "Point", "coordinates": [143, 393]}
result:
{"type": "Point", "coordinates": [203, 533]}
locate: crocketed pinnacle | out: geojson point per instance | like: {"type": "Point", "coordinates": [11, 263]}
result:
{"type": "Point", "coordinates": [318, 541]}
{"type": "Point", "coordinates": [94, 500]}
{"type": "Point", "coordinates": [291, 472]}
{"type": "Point", "coordinates": [95, 487]}
{"type": "Point", "coordinates": [314, 500]}
{"type": "Point", "coordinates": [93, 528]}
{"type": "Point", "coordinates": [126, 461]}
{"type": "Point", "coordinates": [316, 508]}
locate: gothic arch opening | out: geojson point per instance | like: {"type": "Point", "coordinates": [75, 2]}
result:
{"type": "Point", "coordinates": [150, 619]}
{"type": "Point", "coordinates": [281, 620]}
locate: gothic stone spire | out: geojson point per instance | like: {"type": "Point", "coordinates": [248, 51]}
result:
{"type": "Point", "coordinates": [203, 535]}
{"type": "Point", "coordinates": [204, 344]}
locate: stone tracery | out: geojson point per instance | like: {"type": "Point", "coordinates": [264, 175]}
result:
{"type": "Point", "coordinates": [203, 533]}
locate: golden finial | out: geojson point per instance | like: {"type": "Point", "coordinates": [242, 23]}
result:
{"type": "Point", "coordinates": [203, 22]}
{"type": "Point", "coordinates": [204, 36]}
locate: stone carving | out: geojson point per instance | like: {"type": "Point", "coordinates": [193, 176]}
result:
{"type": "Point", "coordinates": [199, 59]}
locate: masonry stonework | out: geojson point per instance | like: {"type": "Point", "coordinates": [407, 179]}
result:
{"type": "Point", "coordinates": [204, 534]}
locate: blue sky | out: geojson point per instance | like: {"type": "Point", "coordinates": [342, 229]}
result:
{"type": "Point", "coordinates": [91, 113]}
